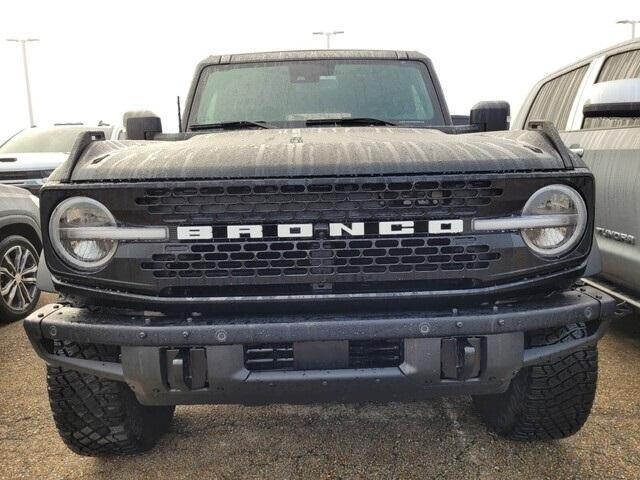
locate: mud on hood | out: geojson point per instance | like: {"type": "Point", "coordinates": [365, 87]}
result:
{"type": "Point", "coordinates": [315, 152]}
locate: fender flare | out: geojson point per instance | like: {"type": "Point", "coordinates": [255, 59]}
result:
{"type": "Point", "coordinates": [21, 220]}
{"type": "Point", "coordinates": [594, 261]}
{"type": "Point", "coordinates": [44, 279]}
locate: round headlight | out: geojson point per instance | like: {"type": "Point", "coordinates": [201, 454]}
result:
{"type": "Point", "coordinates": [570, 215]}
{"type": "Point", "coordinates": [73, 215]}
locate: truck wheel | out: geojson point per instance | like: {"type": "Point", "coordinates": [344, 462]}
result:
{"type": "Point", "coordinates": [18, 268]}
{"type": "Point", "coordinates": [546, 401]}
{"type": "Point", "coordinates": [98, 417]}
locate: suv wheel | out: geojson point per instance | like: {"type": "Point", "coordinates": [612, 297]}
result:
{"type": "Point", "coordinates": [99, 417]}
{"type": "Point", "coordinates": [547, 401]}
{"type": "Point", "coordinates": [18, 268]}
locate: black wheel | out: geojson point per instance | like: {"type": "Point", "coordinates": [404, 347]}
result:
{"type": "Point", "coordinates": [98, 417]}
{"type": "Point", "coordinates": [18, 269]}
{"type": "Point", "coordinates": [547, 401]}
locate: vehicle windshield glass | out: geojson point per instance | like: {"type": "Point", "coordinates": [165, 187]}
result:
{"type": "Point", "coordinates": [45, 140]}
{"type": "Point", "coordinates": [288, 94]}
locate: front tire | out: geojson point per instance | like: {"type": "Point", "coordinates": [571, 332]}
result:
{"type": "Point", "coordinates": [99, 417]}
{"type": "Point", "coordinates": [18, 268]}
{"type": "Point", "coordinates": [547, 401]}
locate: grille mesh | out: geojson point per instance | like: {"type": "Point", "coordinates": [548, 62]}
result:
{"type": "Point", "coordinates": [324, 263]}
{"type": "Point", "coordinates": [256, 258]}
{"type": "Point", "coordinates": [375, 353]}
{"type": "Point", "coordinates": [362, 354]}
{"type": "Point", "coordinates": [317, 201]}
{"type": "Point", "coordinates": [268, 356]}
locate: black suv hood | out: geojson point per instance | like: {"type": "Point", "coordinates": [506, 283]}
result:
{"type": "Point", "coordinates": [315, 152]}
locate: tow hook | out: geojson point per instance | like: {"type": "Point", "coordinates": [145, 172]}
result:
{"type": "Point", "coordinates": [460, 358]}
{"type": "Point", "coordinates": [186, 368]}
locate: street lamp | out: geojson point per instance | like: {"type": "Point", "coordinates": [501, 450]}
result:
{"type": "Point", "coordinates": [23, 43]}
{"type": "Point", "coordinates": [633, 26]}
{"type": "Point", "coordinates": [328, 35]}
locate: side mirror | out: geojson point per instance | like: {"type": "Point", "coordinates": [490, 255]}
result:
{"type": "Point", "coordinates": [141, 125]}
{"type": "Point", "coordinates": [617, 98]}
{"type": "Point", "coordinates": [491, 116]}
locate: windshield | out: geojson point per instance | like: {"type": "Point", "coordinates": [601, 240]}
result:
{"type": "Point", "coordinates": [288, 94]}
{"type": "Point", "coordinates": [41, 140]}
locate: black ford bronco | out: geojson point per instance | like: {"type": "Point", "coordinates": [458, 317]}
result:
{"type": "Point", "coordinates": [319, 230]}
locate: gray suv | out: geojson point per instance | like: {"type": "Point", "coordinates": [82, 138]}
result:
{"type": "Point", "coordinates": [595, 103]}
{"type": "Point", "coordinates": [20, 246]}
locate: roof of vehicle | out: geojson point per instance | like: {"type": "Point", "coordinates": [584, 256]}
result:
{"type": "Point", "coordinates": [618, 48]}
{"type": "Point", "coordinates": [312, 55]}
{"type": "Point", "coordinates": [526, 104]}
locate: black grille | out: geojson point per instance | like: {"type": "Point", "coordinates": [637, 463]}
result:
{"type": "Point", "coordinates": [317, 201]}
{"type": "Point", "coordinates": [268, 356]}
{"type": "Point", "coordinates": [376, 353]}
{"type": "Point", "coordinates": [362, 354]}
{"type": "Point", "coordinates": [256, 258]}
{"type": "Point", "coordinates": [321, 264]}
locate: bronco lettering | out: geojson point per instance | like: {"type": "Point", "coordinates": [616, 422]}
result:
{"type": "Point", "coordinates": [306, 230]}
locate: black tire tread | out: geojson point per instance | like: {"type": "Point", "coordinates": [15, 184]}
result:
{"type": "Point", "coordinates": [547, 401]}
{"type": "Point", "coordinates": [96, 416]}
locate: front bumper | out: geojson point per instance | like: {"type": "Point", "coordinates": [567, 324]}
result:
{"type": "Point", "coordinates": [198, 359]}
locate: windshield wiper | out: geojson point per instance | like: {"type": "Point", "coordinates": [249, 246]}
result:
{"type": "Point", "coordinates": [237, 125]}
{"type": "Point", "coordinates": [349, 121]}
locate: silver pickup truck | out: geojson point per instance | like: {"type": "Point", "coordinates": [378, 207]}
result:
{"type": "Point", "coordinates": [595, 104]}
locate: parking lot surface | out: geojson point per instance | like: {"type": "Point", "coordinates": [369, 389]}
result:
{"type": "Point", "coordinates": [435, 439]}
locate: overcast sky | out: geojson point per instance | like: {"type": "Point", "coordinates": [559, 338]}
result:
{"type": "Point", "coordinates": [95, 60]}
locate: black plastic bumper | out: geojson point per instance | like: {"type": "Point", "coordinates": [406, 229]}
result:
{"type": "Point", "coordinates": [175, 360]}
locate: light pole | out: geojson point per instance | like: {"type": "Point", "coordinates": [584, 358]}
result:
{"type": "Point", "coordinates": [328, 35]}
{"type": "Point", "coordinates": [23, 43]}
{"type": "Point", "coordinates": [633, 26]}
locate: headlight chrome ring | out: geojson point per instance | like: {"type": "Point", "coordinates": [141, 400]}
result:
{"type": "Point", "coordinates": [76, 214]}
{"type": "Point", "coordinates": [561, 201]}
